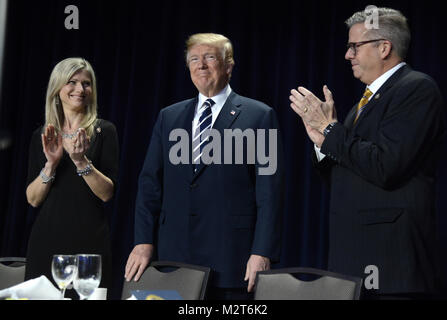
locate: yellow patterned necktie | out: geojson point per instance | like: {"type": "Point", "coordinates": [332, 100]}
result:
{"type": "Point", "coordinates": [362, 103]}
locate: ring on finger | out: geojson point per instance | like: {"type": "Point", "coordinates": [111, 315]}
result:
{"type": "Point", "coordinates": [305, 109]}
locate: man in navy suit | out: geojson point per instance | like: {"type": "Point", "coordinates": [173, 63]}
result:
{"type": "Point", "coordinates": [381, 163]}
{"type": "Point", "coordinates": [225, 215]}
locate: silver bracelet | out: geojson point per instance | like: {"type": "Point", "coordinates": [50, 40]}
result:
{"type": "Point", "coordinates": [86, 171]}
{"type": "Point", "coordinates": [46, 179]}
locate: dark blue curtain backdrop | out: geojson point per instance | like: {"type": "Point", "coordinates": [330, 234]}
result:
{"type": "Point", "coordinates": [137, 51]}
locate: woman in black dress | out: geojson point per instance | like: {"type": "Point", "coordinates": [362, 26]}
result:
{"type": "Point", "coordinates": [73, 168]}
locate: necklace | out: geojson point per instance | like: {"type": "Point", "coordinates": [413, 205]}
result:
{"type": "Point", "coordinates": [68, 135]}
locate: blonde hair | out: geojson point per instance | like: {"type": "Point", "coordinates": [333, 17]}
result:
{"type": "Point", "coordinates": [60, 75]}
{"type": "Point", "coordinates": [214, 40]}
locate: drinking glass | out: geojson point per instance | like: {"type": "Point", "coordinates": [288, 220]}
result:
{"type": "Point", "coordinates": [63, 268]}
{"type": "Point", "coordinates": [88, 274]}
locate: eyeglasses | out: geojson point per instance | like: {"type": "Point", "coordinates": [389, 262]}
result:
{"type": "Point", "coordinates": [353, 46]}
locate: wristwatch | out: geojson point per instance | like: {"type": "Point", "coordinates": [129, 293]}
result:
{"type": "Point", "coordinates": [328, 128]}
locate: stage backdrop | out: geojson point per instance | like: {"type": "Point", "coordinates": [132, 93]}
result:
{"type": "Point", "coordinates": [137, 51]}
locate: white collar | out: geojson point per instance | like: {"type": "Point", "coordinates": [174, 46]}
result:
{"type": "Point", "coordinates": [376, 84]}
{"type": "Point", "coordinates": [219, 99]}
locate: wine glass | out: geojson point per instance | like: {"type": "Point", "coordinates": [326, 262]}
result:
{"type": "Point", "coordinates": [63, 269]}
{"type": "Point", "coordinates": [88, 274]}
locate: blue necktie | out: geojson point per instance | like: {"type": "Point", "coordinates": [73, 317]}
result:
{"type": "Point", "coordinates": [202, 131]}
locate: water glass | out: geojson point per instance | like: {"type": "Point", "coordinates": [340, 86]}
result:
{"type": "Point", "coordinates": [88, 274]}
{"type": "Point", "coordinates": [63, 269]}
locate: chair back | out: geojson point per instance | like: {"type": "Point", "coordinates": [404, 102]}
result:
{"type": "Point", "coordinates": [190, 281]}
{"type": "Point", "coordinates": [283, 284]}
{"type": "Point", "coordinates": [12, 271]}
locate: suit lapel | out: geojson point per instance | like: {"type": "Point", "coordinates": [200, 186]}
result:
{"type": "Point", "coordinates": [230, 111]}
{"type": "Point", "coordinates": [378, 95]}
{"type": "Point", "coordinates": [184, 122]}
{"type": "Point", "coordinates": [228, 114]}
{"type": "Point", "coordinates": [349, 121]}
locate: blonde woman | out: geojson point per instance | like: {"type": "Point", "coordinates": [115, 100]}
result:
{"type": "Point", "coordinates": [73, 168]}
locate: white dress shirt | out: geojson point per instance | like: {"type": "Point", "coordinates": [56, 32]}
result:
{"type": "Point", "coordinates": [219, 100]}
{"type": "Point", "coordinates": [373, 87]}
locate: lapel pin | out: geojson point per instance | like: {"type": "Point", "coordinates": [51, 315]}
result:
{"type": "Point", "coordinates": [377, 96]}
{"type": "Point", "coordinates": [98, 130]}
{"type": "Point", "coordinates": [233, 112]}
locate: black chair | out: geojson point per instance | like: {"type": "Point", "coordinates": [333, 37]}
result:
{"type": "Point", "coordinates": [284, 284]}
{"type": "Point", "coordinates": [190, 281]}
{"type": "Point", "coordinates": [12, 271]}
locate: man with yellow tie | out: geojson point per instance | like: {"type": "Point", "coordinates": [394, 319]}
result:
{"type": "Point", "coordinates": [381, 163]}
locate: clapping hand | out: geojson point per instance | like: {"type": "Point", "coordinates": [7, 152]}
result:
{"type": "Point", "coordinates": [316, 114]}
{"type": "Point", "coordinates": [52, 145]}
{"type": "Point", "coordinates": [79, 146]}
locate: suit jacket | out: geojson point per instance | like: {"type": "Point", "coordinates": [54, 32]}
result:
{"type": "Point", "coordinates": [220, 215]}
{"type": "Point", "coordinates": [382, 183]}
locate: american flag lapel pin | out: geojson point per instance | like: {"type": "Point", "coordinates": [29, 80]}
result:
{"type": "Point", "coordinates": [377, 96]}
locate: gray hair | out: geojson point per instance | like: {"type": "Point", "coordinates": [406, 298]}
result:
{"type": "Point", "coordinates": [392, 26]}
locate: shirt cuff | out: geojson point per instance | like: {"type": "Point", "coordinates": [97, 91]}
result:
{"type": "Point", "coordinates": [320, 156]}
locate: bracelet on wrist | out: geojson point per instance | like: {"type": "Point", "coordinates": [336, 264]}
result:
{"type": "Point", "coordinates": [86, 171]}
{"type": "Point", "coordinates": [46, 179]}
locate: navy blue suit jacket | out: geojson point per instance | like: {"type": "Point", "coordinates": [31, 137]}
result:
{"type": "Point", "coordinates": [220, 215]}
{"type": "Point", "coordinates": [382, 177]}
